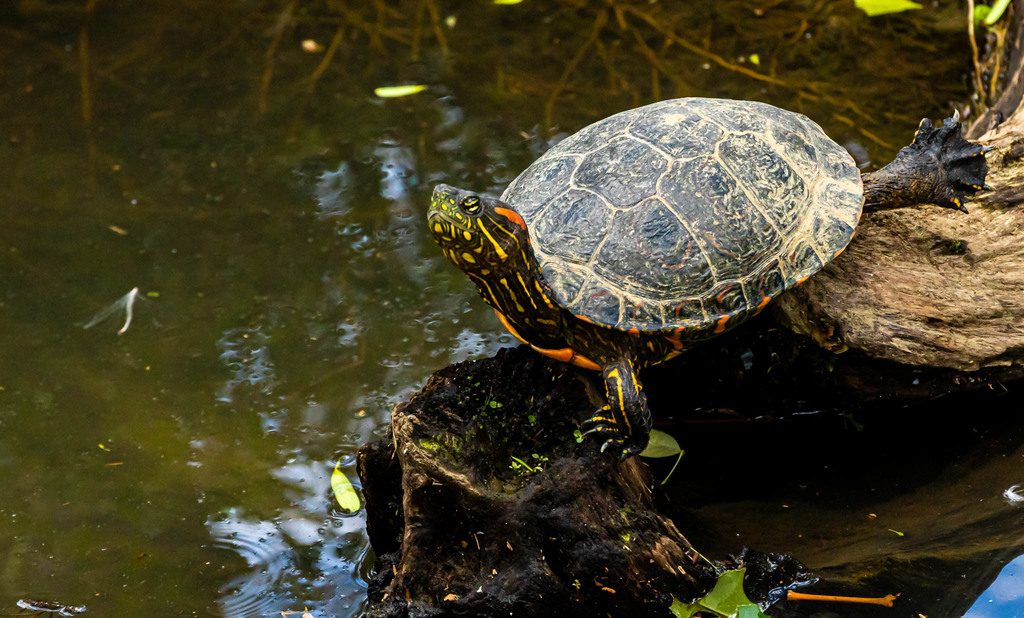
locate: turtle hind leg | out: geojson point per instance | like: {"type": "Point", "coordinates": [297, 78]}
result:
{"type": "Point", "coordinates": [625, 422]}
{"type": "Point", "coordinates": [962, 161]}
{"type": "Point", "coordinates": [939, 167]}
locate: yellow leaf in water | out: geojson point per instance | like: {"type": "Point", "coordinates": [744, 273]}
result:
{"type": "Point", "coordinates": [344, 493]}
{"type": "Point", "coordinates": [754, 59]}
{"type": "Point", "coordinates": [392, 92]}
{"type": "Point", "coordinates": [507, 1]}
{"type": "Point", "coordinates": [884, 7]}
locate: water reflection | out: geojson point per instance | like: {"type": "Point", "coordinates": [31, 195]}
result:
{"type": "Point", "coordinates": [1005, 597]}
{"type": "Point", "coordinates": [305, 557]}
{"type": "Point", "coordinates": [244, 352]}
{"type": "Point", "coordinates": [335, 191]}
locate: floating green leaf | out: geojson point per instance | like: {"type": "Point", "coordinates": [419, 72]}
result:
{"type": "Point", "coordinates": [392, 92]}
{"type": "Point", "coordinates": [726, 600]}
{"type": "Point", "coordinates": [661, 445]}
{"type": "Point", "coordinates": [754, 59]}
{"type": "Point", "coordinates": [981, 12]}
{"type": "Point", "coordinates": [344, 492]}
{"type": "Point", "coordinates": [896, 532]}
{"type": "Point", "coordinates": [507, 1]}
{"type": "Point", "coordinates": [884, 7]}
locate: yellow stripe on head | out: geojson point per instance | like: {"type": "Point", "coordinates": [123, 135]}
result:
{"type": "Point", "coordinates": [501, 252]}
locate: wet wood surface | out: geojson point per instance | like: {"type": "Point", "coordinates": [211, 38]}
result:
{"type": "Point", "coordinates": [928, 286]}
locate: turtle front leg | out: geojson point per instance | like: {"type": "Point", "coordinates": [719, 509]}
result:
{"type": "Point", "coordinates": [625, 422]}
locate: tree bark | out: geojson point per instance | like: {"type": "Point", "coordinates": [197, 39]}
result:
{"type": "Point", "coordinates": [928, 286]}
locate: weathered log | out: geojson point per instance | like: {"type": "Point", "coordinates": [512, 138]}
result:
{"type": "Point", "coordinates": [474, 532]}
{"type": "Point", "coordinates": [929, 286]}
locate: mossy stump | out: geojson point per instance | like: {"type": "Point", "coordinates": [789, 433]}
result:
{"type": "Point", "coordinates": [461, 528]}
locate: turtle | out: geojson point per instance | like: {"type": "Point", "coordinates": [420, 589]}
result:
{"type": "Point", "coordinates": [663, 226]}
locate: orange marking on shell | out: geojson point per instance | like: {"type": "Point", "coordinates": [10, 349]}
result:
{"type": "Point", "coordinates": [504, 322]}
{"type": "Point", "coordinates": [634, 331]}
{"type": "Point", "coordinates": [799, 281]}
{"type": "Point", "coordinates": [764, 303]}
{"type": "Point", "coordinates": [584, 318]}
{"type": "Point", "coordinates": [720, 327]}
{"type": "Point", "coordinates": [512, 216]}
{"type": "Point", "coordinates": [568, 355]}
{"type": "Point", "coordinates": [836, 254]}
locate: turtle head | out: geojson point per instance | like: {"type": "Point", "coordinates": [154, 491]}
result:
{"type": "Point", "coordinates": [475, 232]}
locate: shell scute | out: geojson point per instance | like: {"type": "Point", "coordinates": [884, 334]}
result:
{"type": "Point", "coordinates": [732, 231]}
{"type": "Point", "coordinates": [600, 304]}
{"type": "Point", "coordinates": [681, 132]}
{"type": "Point", "coordinates": [574, 232]}
{"type": "Point", "coordinates": [623, 172]}
{"type": "Point", "coordinates": [769, 180]}
{"type": "Point", "coordinates": [727, 299]}
{"type": "Point", "coordinates": [540, 183]}
{"type": "Point", "coordinates": [650, 253]}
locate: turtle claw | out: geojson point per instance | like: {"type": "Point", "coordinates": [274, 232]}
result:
{"type": "Point", "coordinates": [616, 441]}
{"type": "Point", "coordinates": [624, 449]}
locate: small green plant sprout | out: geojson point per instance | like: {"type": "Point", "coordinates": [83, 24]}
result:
{"type": "Point", "coordinates": [726, 600]}
{"type": "Point", "coordinates": [986, 15]}
{"type": "Point", "coordinates": [518, 466]}
{"type": "Point", "coordinates": [663, 445]}
{"type": "Point", "coordinates": [578, 435]}
{"type": "Point", "coordinates": [884, 7]}
{"type": "Point", "coordinates": [344, 492]}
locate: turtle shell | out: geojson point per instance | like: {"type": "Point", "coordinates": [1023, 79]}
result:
{"type": "Point", "coordinates": [685, 212]}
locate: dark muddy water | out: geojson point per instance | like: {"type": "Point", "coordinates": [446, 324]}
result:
{"type": "Point", "coordinates": [232, 162]}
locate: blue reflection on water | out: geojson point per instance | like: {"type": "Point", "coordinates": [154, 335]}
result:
{"type": "Point", "coordinates": [1005, 597]}
{"type": "Point", "coordinates": [305, 557]}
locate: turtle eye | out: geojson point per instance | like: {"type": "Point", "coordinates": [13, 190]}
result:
{"type": "Point", "coordinates": [470, 205]}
